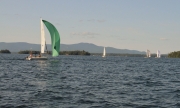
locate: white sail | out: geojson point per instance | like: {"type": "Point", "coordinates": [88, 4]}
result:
{"type": "Point", "coordinates": [104, 52]}
{"type": "Point", "coordinates": [42, 37]}
{"type": "Point", "coordinates": [158, 54]}
{"type": "Point", "coordinates": [149, 54]}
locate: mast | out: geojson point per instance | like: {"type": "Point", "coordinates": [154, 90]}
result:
{"type": "Point", "coordinates": [42, 37]}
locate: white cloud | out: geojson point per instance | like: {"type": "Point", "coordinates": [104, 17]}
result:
{"type": "Point", "coordinates": [91, 20]}
{"type": "Point", "coordinates": [80, 20]}
{"type": "Point", "coordinates": [131, 31]}
{"type": "Point", "coordinates": [130, 39]}
{"type": "Point", "coordinates": [16, 14]}
{"type": "Point", "coordinates": [57, 24]}
{"type": "Point", "coordinates": [101, 21]}
{"type": "Point", "coordinates": [135, 31]}
{"type": "Point", "coordinates": [94, 20]}
{"type": "Point", "coordinates": [163, 39]}
{"type": "Point", "coordinates": [84, 33]}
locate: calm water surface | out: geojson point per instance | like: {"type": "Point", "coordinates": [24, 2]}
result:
{"type": "Point", "coordinates": [89, 82]}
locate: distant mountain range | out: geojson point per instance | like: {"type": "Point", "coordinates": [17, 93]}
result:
{"type": "Point", "coordinates": [19, 46]}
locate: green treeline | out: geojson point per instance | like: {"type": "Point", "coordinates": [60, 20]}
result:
{"type": "Point", "coordinates": [60, 53]}
{"type": "Point", "coordinates": [127, 55]}
{"type": "Point", "coordinates": [74, 53]}
{"type": "Point", "coordinates": [123, 55]}
{"type": "Point", "coordinates": [5, 51]}
{"type": "Point", "coordinates": [175, 54]}
{"type": "Point", "coordinates": [28, 52]}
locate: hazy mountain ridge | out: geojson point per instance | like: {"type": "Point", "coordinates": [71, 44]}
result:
{"type": "Point", "coordinates": [19, 46]}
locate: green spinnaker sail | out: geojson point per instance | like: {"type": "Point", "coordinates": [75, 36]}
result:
{"type": "Point", "coordinates": [55, 38]}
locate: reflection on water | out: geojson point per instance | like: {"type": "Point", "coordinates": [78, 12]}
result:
{"type": "Point", "coordinates": [89, 81]}
{"type": "Point", "coordinates": [42, 63]}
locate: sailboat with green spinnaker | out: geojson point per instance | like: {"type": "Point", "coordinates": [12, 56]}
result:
{"type": "Point", "coordinates": [55, 42]}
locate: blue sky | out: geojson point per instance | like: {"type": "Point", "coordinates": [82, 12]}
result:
{"type": "Point", "coordinates": [123, 24]}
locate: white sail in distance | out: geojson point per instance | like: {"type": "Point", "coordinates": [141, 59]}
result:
{"type": "Point", "coordinates": [149, 54]}
{"type": "Point", "coordinates": [158, 54]}
{"type": "Point", "coordinates": [42, 37]}
{"type": "Point", "coordinates": [104, 52]}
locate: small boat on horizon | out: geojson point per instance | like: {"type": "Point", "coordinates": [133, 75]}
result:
{"type": "Point", "coordinates": [148, 54]}
{"type": "Point", "coordinates": [158, 54]}
{"type": "Point", "coordinates": [104, 53]}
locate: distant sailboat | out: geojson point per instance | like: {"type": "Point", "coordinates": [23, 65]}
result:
{"type": "Point", "coordinates": [148, 54]}
{"type": "Point", "coordinates": [55, 41]}
{"type": "Point", "coordinates": [104, 53]}
{"type": "Point", "coordinates": [158, 54]}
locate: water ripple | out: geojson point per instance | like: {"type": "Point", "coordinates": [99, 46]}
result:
{"type": "Point", "coordinates": [89, 82]}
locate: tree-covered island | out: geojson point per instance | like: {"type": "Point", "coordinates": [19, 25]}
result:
{"type": "Point", "coordinates": [74, 53]}
{"type": "Point", "coordinates": [5, 51]}
{"type": "Point", "coordinates": [28, 52]}
{"type": "Point", "coordinates": [60, 53]}
{"type": "Point", "coordinates": [175, 54]}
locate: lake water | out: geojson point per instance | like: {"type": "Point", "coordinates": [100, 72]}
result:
{"type": "Point", "coordinates": [89, 82]}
